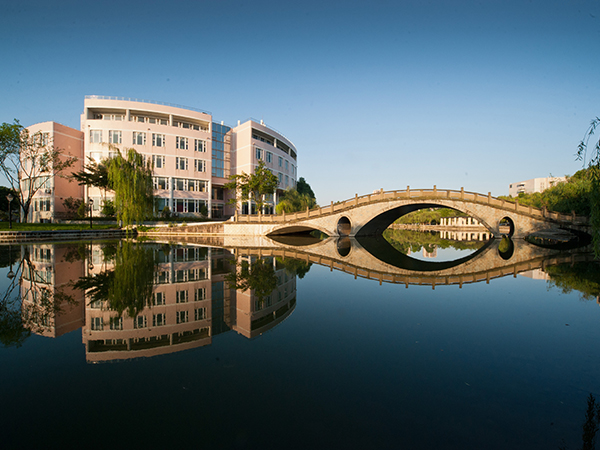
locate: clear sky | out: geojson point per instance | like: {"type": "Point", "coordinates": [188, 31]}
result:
{"type": "Point", "coordinates": [374, 94]}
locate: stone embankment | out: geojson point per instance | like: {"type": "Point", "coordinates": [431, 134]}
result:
{"type": "Point", "coordinates": [63, 235]}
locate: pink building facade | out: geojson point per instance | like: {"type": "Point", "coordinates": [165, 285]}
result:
{"type": "Point", "coordinates": [48, 202]}
{"type": "Point", "coordinates": [192, 155]}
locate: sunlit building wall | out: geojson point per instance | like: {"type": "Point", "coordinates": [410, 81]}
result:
{"type": "Point", "coordinates": [48, 202]}
{"type": "Point", "coordinates": [192, 155]}
{"type": "Point", "coordinates": [253, 142]}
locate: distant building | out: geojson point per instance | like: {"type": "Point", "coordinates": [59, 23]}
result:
{"type": "Point", "coordinates": [533, 185]}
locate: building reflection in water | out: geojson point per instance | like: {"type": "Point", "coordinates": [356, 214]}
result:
{"type": "Point", "coordinates": [192, 297]}
{"type": "Point", "coordinates": [51, 306]}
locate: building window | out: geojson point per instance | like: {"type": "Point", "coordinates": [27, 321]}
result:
{"type": "Point", "coordinates": [158, 161]}
{"type": "Point", "coordinates": [199, 165]}
{"type": "Point", "coordinates": [114, 137]}
{"type": "Point", "coordinates": [200, 145]}
{"type": "Point", "coordinates": [259, 153]}
{"type": "Point", "coordinates": [200, 314]}
{"type": "Point", "coordinates": [280, 176]}
{"type": "Point", "coordinates": [280, 161]}
{"type": "Point", "coordinates": [116, 323]}
{"type": "Point", "coordinates": [182, 316]}
{"type": "Point", "coordinates": [97, 323]}
{"type": "Point", "coordinates": [269, 157]}
{"type": "Point", "coordinates": [139, 138]}
{"type": "Point", "coordinates": [140, 322]}
{"type": "Point", "coordinates": [158, 140]}
{"type": "Point", "coordinates": [286, 165]}
{"type": "Point", "coordinates": [158, 320]}
{"type": "Point", "coordinates": [160, 183]}
{"type": "Point", "coordinates": [181, 143]}
{"type": "Point", "coordinates": [161, 277]}
{"type": "Point", "coordinates": [181, 296]}
{"type": "Point", "coordinates": [95, 136]}
{"type": "Point", "coordinates": [181, 163]}
{"type": "Point", "coordinates": [159, 299]}
{"type": "Point", "coordinates": [200, 294]}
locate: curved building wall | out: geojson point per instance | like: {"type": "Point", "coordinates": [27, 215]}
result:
{"type": "Point", "coordinates": [176, 140]}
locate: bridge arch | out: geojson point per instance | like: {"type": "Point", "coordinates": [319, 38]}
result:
{"type": "Point", "coordinates": [372, 214]}
{"type": "Point", "coordinates": [379, 223]}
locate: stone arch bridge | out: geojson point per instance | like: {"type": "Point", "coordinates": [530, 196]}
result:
{"type": "Point", "coordinates": [371, 214]}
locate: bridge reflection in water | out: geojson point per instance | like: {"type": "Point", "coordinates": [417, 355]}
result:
{"type": "Point", "coordinates": [375, 258]}
{"type": "Point", "coordinates": [202, 287]}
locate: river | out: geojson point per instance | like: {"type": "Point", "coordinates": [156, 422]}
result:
{"type": "Point", "coordinates": [298, 344]}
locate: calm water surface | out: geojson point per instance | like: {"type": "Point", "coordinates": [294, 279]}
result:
{"type": "Point", "coordinates": [329, 360]}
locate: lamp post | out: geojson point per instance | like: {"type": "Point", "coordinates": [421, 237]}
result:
{"type": "Point", "coordinates": [91, 203]}
{"type": "Point", "coordinates": [10, 198]}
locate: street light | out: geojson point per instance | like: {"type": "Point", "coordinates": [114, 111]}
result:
{"type": "Point", "coordinates": [10, 198]}
{"type": "Point", "coordinates": [91, 202]}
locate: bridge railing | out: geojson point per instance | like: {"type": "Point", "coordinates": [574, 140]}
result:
{"type": "Point", "coordinates": [409, 193]}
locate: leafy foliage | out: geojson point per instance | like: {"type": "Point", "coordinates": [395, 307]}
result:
{"type": "Point", "coordinates": [413, 241]}
{"type": "Point", "coordinates": [292, 201]}
{"type": "Point", "coordinates": [75, 207]}
{"type": "Point", "coordinates": [131, 180]}
{"type": "Point", "coordinates": [258, 277]}
{"type": "Point", "coordinates": [294, 266]}
{"type": "Point", "coordinates": [31, 157]}
{"type": "Point", "coordinates": [93, 174]}
{"type": "Point", "coordinates": [573, 195]}
{"type": "Point", "coordinates": [108, 208]}
{"type": "Point", "coordinates": [581, 276]}
{"type": "Point", "coordinates": [429, 216]}
{"type": "Point", "coordinates": [304, 188]}
{"type": "Point", "coordinates": [594, 175]}
{"type": "Point", "coordinates": [129, 286]}
{"type": "Point", "coordinates": [253, 187]}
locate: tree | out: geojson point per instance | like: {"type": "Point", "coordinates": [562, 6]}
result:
{"type": "Point", "coordinates": [93, 174]}
{"type": "Point", "coordinates": [593, 162]}
{"type": "Point", "coordinates": [30, 162]}
{"type": "Point", "coordinates": [74, 207]}
{"type": "Point", "coordinates": [293, 201]}
{"type": "Point", "coordinates": [130, 177]}
{"type": "Point", "coordinates": [253, 187]}
{"type": "Point", "coordinates": [304, 188]}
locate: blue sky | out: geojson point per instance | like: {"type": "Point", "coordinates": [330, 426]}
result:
{"type": "Point", "coordinates": [379, 94]}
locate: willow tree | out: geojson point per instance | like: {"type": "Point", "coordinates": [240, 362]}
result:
{"type": "Point", "coordinates": [593, 161]}
{"type": "Point", "coordinates": [130, 177]}
{"type": "Point", "coordinates": [129, 285]}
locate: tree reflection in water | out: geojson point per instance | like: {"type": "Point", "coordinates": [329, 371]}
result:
{"type": "Point", "coordinates": [129, 285]}
{"type": "Point", "coordinates": [579, 276]}
{"type": "Point", "coordinates": [408, 241]}
{"type": "Point", "coordinates": [32, 300]}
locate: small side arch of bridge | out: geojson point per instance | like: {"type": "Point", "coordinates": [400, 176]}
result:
{"type": "Point", "coordinates": [371, 214]}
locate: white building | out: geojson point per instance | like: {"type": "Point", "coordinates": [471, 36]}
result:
{"type": "Point", "coordinates": [533, 185]}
